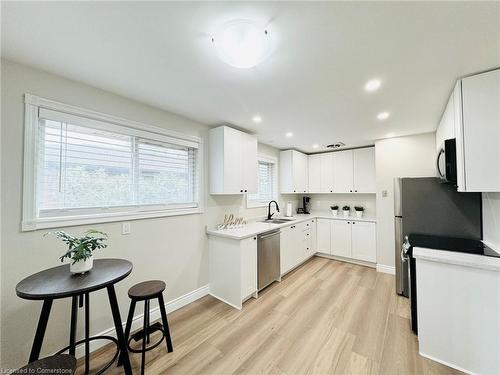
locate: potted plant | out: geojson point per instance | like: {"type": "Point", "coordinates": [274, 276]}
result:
{"type": "Point", "coordinates": [359, 211]}
{"type": "Point", "coordinates": [346, 210]}
{"type": "Point", "coordinates": [335, 210]}
{"type": "Point", "coordinates": [80, 248]}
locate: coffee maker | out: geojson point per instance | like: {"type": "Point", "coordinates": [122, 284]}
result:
{"type": "Point", "coordinates": [306, 203]}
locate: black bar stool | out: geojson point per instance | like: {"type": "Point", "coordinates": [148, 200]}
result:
{"type": "Point", "coordinates": [146, 291]}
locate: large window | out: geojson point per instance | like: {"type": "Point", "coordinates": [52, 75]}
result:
{"type": "Point", "coordinates": [82, 170]}
{"type": "Point", "coordinates": [266, 185]}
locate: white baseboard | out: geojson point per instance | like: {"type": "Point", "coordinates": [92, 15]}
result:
{"type": "Point", "coordinates": [225, 301]}
{"type": "Point", "coordinates": [446, 363]}
{"type": "Point", "coordinates": [170, 306]}
{"type": "Point", "coordinates": [347, 260]}
{"type": "Point", "coordinates": [386, 269]}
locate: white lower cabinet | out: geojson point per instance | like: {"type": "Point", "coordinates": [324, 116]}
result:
{"type": "Point", "coordinates": [296, 244]}
{"type": "Point", "coordinates": [248, 248]}
{"type": "Point", "coordinates": [363, 244]}
{"type": "Point", "coordinates": [233, 269]}
{"type": "Point", "coordinates": [340, 243]}
{"type": "Point", "coordinates": [323, 236]}
{"type": "Point", "coordinates": [347, 239]}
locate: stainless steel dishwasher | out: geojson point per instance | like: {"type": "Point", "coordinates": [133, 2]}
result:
{"type": "Point", "coordinates": [268, 258]}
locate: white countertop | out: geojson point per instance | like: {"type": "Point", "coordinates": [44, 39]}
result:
{"type": "Point", "coordinates": [456, 258]}
{"type": "Point", "coordinates": [256, 227]}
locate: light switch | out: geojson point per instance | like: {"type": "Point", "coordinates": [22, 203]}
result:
{"type": "Point", "coordinates": [126, 227]}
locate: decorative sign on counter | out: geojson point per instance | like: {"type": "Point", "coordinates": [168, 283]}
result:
{"type": "Point", "coordinates": [232, 222]}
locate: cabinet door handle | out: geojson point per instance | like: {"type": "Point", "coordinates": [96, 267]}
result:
{"type": "Point", "coordinates": [350, 191]}
{"type": "Point", "coordinates": [245, 190]}
{"type": "Point", "coordinates": [255, 238]}
{"type": "Point", "coordinates": [241, 191]}
{"type": "Point", "coordinates": [354, 191]}
{"type": "Point", "coordinates": [348, 222]}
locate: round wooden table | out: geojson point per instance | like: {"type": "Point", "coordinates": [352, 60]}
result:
{"type": "Point", "coordinates": [58, 282]}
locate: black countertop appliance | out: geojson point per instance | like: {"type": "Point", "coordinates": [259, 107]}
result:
{"type": "Point", "coordinates": [306, 203]}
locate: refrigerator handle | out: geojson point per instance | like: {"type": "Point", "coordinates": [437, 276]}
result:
{"type": "Point", "coordinates": [398, 182]}
{"type": "Point", "coordinates": [404, 249]}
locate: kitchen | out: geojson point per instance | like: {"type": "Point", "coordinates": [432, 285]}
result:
{"type": "Point", "coordinates": [287, 205]}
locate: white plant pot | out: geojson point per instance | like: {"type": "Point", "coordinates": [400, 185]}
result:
{"type": "Point", "coordinates": [359, 213]}
{"type": "Point", "coordinates": [335, 212]}
{"type": "Point", "coordinates": [81, 266]}
{"type": "Point", "coordinates": [346, 213]}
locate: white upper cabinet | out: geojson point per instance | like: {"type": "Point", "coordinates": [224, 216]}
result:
{"type": "Point", "coordinates": [364, 170]}
{"type": "Point", "coordinates": [349, 171]}
{"type": "Point", "coordinates": [481, 132]}
{"type": "Point", "coordinates": [314, 165]}
{"type": "Point", "coordinates": [321, 171]}
{"type": "Point", "coordinates": [232, 161]}
{"type": "Point", "coordinates": [293, 172]}
{"type": "Point", "coordinates": [249, 169]}
{"type": "Point", "coordinates": [327, 172]}
{"type": "Point", "coordinates": [472, 117]}
{"type": "Point", "coordinates": [344, 172]}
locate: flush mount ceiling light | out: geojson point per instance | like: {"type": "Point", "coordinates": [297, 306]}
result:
{"type": "Point", "coordinates": [383, 116]}
{"type": "Point", "coordinates": [315, 145]}
{"type": "Point", "coordinates": [241, 43]}
{"type": "Point", "coordinates": [373, 85]}
{"type": "Point", "coordinates": [257, 119]}
{"type": "Point", "coordinates": [289, 134]}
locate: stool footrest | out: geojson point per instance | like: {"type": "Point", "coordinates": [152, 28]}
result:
{"type": "Point", "coordinates": [138, 336]}
{"type": "Point", "coordinates": [151, 329]}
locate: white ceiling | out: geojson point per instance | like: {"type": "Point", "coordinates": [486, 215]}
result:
{"type": "Point", "coordinates": [312, 85]}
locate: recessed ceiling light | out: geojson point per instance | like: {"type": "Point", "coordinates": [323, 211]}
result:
{"type": "Point", "coordinates": [315, 145]}
{"type": "Point", "coordinates": [242, 43]}
{"type": "Point", "coordinates": [383, 116]}
{"type": "Point", "coordinates": [373, 85]}
{"type": "Point", "coordinates": [390, 135]}
{"type": "Point", "coordinates": [289, 134]}
{"type": "Point", "coordinates": [257, 119]}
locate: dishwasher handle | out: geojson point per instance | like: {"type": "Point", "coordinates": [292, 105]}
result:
{"type": "Point", "coordinates": [267, 235]}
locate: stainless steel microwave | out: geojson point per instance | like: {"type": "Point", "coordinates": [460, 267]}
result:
{"type": "Point", "coordinates": [446, 162]}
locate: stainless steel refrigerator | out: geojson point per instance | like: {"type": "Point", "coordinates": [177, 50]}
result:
{"type": "Point", "coordinates": [426, 206]}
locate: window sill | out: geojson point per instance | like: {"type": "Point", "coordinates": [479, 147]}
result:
{"type": "Point", "coordinates": [69, 221]}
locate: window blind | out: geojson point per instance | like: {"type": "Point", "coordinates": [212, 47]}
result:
{"type": "Point", "coordinates": [89, 168]}
{"type": "Point", "coordinates": [265, 186]}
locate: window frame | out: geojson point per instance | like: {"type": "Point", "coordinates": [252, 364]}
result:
{"type": "Point", "coordinates": [30, 213]}
{"type": "Point", "coordinates": [258, 203]}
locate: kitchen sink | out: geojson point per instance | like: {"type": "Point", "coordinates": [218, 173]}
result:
{"type": "Point", "coordinates": [278, 221]}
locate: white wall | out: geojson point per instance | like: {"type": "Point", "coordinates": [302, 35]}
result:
{"type": "Point", "coordinates": [491, 220]}
{"type": "Point", "coordinates": [156, 247]}
{"type": "Point", "coordinates": [412, 156]}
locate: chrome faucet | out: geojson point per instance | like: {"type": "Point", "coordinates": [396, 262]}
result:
{"type": "Point", "coordinates": [269, 214]}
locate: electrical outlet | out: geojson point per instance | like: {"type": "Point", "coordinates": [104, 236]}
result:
{"type": "Point", "coordinates": [384, 193]}
{"type": "Point", "coordinates": [126, 227]}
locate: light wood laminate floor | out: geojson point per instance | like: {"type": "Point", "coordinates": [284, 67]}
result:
{"type": "Point", "coordinates": [326, 317]}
